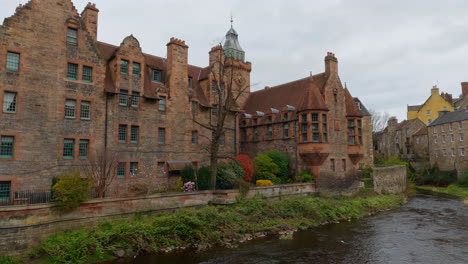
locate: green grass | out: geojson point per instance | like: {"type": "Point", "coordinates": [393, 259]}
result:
{"type": "Point", "coordinates": [454, 190]}
{"type": "Point", "coordinates": [210, 225]}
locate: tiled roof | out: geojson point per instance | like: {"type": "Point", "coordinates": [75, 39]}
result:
{"type": "Point", "coordinates": [414, 107]}
{"type": "Point", "coordinates": [351, 107]}
{"type": "Point", "coordinates": [421, 132]}
{"type": "Point", "coordinates": [402, 124]}
{"type": "Point", "coordinates": [450, 117]}
{"type": "Point", "coordinates": [304, 94]}
{"type": "Point", "coordinates": [363, 109]}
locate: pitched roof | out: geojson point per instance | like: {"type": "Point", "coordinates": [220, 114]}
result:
{"type": "Point", "coordinates": [402, 124]}
{"type": "Point", "coordinates": [414, 107]}
{"type": "Point", "coordinates": [351, 107]}
{"type": "Point", "coordinates": [421, 132]}
{"type": "Point", "coordinates": [363, 108]}
{"type": "Point", "coordinates": [450, 117]}
{"type": "Point", "coordinates": [304, 94]}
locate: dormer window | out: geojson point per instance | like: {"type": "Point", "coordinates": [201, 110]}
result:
{"type": "Point", "coordinates": [72, 36]}
{"type": "Point", "coordinates": [156, 76]}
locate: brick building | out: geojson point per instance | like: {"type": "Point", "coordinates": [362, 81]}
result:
{"type": "Point", "coordinates": [67, 96]}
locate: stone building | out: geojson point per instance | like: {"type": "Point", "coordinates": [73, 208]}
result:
{"type": "Point", "coordinates": [67, 96]}
{"type": "Point", "coordinates": [447, 143]}
{"type": "Point", "coordinates": [428, 111]}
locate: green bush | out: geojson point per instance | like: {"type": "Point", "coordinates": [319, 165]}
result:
{"type": "Point", "coordinates": [282, 160]}
{"type": "Point", "coordinates": [188, 174]}
{"type": "Point", "coordinates": [304, 177]}
{"type": "Point", "coordinates": [227, 174]}
{"type": "Point", "coordinates": [203, 178]}
{"type": "Point", "coordinates": [366, 172]}
{"type": "Point", "coordinates": [266, 169]}
{"type": "Point", "coordinates": [435, 177]}
{"type": "Point", "coordinates": [463, 181]}
{"type": "Point", "coordinates": [393, 160]}
{"type": "Point", "coordinates": [70, 191]}
{"type": "Point", "coordinates": [9, 260]}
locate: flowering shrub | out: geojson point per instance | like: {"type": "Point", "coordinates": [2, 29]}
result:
{"type": "Point", "coordinates": [189, 187]}
{"type": "Point", "coordinates": [264, 183]}
{"type": "Point", "coordinates": [247, 165]}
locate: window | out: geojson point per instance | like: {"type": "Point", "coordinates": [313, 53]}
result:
{"type": "Point", "coordinates": [222, 88]}
{"type": "Point", "coordinates": [436, 154]}
{"type": "Point", "coordinates": [87, 74]}
{"type": "Point", "coordinates": [12, 62]}
{"type": "Point", "coordinates": [85, 110]}
{"type": "Point", "coordinates": [194, 138]}
{"type": "Point", "coordinates": [324, 128]}
{"type": "Point", "coordinates": [407, 132]}
{"type": "Point", "coordinates": [83, 149]}
{"type": "Point", "coordinates": [450, 127]}
{"type": "Point", "coordinates": [315, 117]}
{"type": "Point", "coordinates": [459, 125]}
{"type": "Point", "coordinates": [332, 165]}
{"type": "Point", "coordinates": [270, 132]}
{"type": "Point", "coordinates": [68, 145]}
{"type": "Point", "coordinates": [255, 135]}
{"type": "Point", "coordinates": [270, 119]}
{"type": "Point", "coordinates": [324, 138]}
{"type": "Point", "coordinates": [285, 116]}
{"type": "Point", "coordinates": [243, 135]}
{"type": "Point", "coordinates": [285, 130]}
{"type": "Point", "coordinates": [442, 128]}
{"type": "Point", "coordinates": [121, 169]}
{"type": "Point", "coordinates": [315, 137]}
{"type": "Point", "coordinates": [343, 164]}
{"type": "Point", "coordinates": [443, 139]}
{"type": "Point", "coordinates": [452, 138]}
{"type": "Point", "coordinates": [161, 136]}
{"type": "Point", "coordinates": [9, 102]}
{"type": "Point", "coordinates": [72, 36]}
{"type": "Point", "coordinates": [214, 86]}
{"type": "Point", "coordinates": [70, 109]}
{"type": "Point", "coordinates": [213, 111]}
{"type": "Point", "coordinates": [304, 128]}
{"type": "Point", "coordinates": [6, 146]}
{"type": "Point", "coordinates": [124, 66]}
{"type": "Point", "coordinates": [190, 83]}
{"type": "Point", "coordinates": [359, 105]}
{"type": "Point", "coordinates": [122, 133]}
{"type": "Point", "coordinates": [435, 130]}
{"type": "Point", "coordinates": [161, 169]}
{"type": "Point", "coordinates": [435, 139]}
{"type": "Point", "coordinates": [194, 108]}
{"type": "Point", "coordinates": [162, 104]}
{"type": "Point", "coordinates": [135, 99]}
{"type": "Point", "coordinates": [72, 72]}
{"type": "Point", "coordinates": [444, 152]}
{"type": "Point", "coordinates": [255, 121]}
{"type": "Point", "coordinates": [134, 134]}
{"type": "Point", "coordinates": [460, 136]}
{"type": "Point", "coordinates": [133, 169]}
{"type": "Point", "coordinates": [221, 140]}
{"type": "Point", "coordinates": [5, 190]}
{"type": "Point", "coordinates": [417, 140]}
{"type": "Point", "coordinates": [136, 69]}
{"type": "Point", "coordinates": [453, 152]}
{"type": "Point", "coordinates": [445, 108]}
{"type": "Point", "coordinates": [351, 132]}
{"type": "Point", "coordinates": [156, 76]}
{"type": "Point", "coordinates": [123, 97]}
{"type": "Point", "coordinates": [428, 112]}
{"type": "Point", "coordinates": [429, 121]}
{"type": "Point", "coordinates": [462, 152]}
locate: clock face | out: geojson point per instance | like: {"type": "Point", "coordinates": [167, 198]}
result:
{"type": "Point", "coordinates": [240, 79]}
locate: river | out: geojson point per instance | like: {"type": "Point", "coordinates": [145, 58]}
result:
{"type": "Point", "coordinates": [428, 229]}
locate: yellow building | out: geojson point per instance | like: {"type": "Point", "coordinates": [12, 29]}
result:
{"type": "Point", "coordinates": [429, 111]}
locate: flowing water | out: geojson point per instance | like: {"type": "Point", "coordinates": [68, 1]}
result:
{"type": "Point", "coordinates": [428, 229]}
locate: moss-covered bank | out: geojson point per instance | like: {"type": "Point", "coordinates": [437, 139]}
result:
{"type": "Point", "coordinates": [453, 190]}
{"type": "Point", "coordinates": [208, 226]}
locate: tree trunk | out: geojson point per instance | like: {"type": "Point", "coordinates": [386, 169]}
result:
{"type": "Point", "coordinates": [214, 163]}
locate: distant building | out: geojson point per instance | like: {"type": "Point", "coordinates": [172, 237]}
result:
{"type": "Point", "coordinates": [428, 111]}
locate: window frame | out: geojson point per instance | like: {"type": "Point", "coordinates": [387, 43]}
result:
{"type": "Point", "coordinates": [121, 167]}
{"type": "Point", "coordinates": [11, 58]}
{"type": "Point", "coordinates": [136, 71]}
{"type": "Point", "coordinates": [124, 66]}
{"type": "Point", "coordinates": [68, 148]}
{"type": "Point", "coordinates": [68, 109]}
{"type": "Point", "coordinates": [122, 133]}
{"type": "Point", "coordinates": [161, 136]}
{"type": "Point", "coordinates": [123, 97]}
{"type": "Point", "coordinates": [162, 104]}
{"type": "Point", "coordinates": [83, 142]}
{"type": "Point", "coordinates": [134, 134]}
{"type": "Point", "coordinates": [194, 139]}
{"type": "Point", "coordinates": [135, 99]}
{"type": "Point", "coordinates": [71, 36]}
{"type": "Point", "coordinates": [156, 80]}
{"type": "Point", "coordinates": [332, 165]}
{"type": "Point", "coordinates": [7, 148]}
{"type": "Point", "coordinates": [11, 104]}
{"type": "Point", "coordinates": [72, 75]}
{"type": "Point", "coordinates": [87, 74]}
{"type": "Point", "coordinates": [190, 83]}
{"type": "Point", "coordinates": [133, 173]}
{"type": "Point", "coordinates": [85, 108]}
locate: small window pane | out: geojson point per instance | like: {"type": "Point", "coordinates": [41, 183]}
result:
{"type": "Point", "coordinates": [124, 66]}
{"type": "Point", "coordinates": [85, 110]}
{"type": "Point", "coordinates": [162, 104]}
{"type": "Point", "coordinates": [315, 117]}
{"type": "Point", "coordinates": [70, 108]}
{"type": "Point", "coordinates": [135, 99]}
{"type": "Point", "coordinates": [123, 97]}
{"type": "Point", "coordinates": [194, 138]}
{"type": "Point", "coordinates": [83, 148]}
{"type": "Point", "coordinates": [72, 72]}
{"type": "Point", "coordinates": [12, 62]}
{"type": "Point", "coordinates": [121, 168]}
{"type": "Point", "coordinates": [133, 169]}
{"type": "Point", "coordinates": [134, 134]}
{"type": "Point", "coordinates": [9, 102]}
{"type": "Point", "coordinates": [6, 146]}
{"type": "Point", "coordinates": [87, 74]}
{"type": "Point", "coordinates": [315, 127]}
{"type": "Point", "coordinates": [122, 133]}
{"type": "Point", "coordinates": [136, 69]}
{"type": "Point", "coordinates": [315, 137]}
{"type": "Point", "coordinates": [72, 35]}
{"type": "Point", "coordinates": [161, 136]}
{"type": "Point", "coordinates": [157, 76]}
{"type": "Point", "coordinates": [68, 145]}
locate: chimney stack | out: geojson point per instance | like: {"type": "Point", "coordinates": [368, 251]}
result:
{"type": "Point", "coordinates": [90, 18]}
{"type": "Point", "coordinates": [177, 67]}
{"type": "Point", "coordinates": [435, 90]}
{"type": "Point", "coordinates": [331, 63]}
{"type": "Point", "coordinates": [464, 86]}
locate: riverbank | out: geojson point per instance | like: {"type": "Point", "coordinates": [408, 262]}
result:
{"type": "Point", "coordinates": [454, 190]}
{"type": "Point", "coordinates": [208, 226]}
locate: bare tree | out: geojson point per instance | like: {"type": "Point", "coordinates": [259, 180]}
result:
{"type": "Point", "coordinates": [379, 120]}
{"type": "Point", "coordinates": [101, 168]}
{"type": "Point", "coordinates": [228, 91]}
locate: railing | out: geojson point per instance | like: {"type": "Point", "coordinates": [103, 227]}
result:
{"type": "Point", "coordinates": [35, 197]}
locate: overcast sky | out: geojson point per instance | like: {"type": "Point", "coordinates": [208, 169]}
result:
{"type": "Point", "coordinates": [390, 52]}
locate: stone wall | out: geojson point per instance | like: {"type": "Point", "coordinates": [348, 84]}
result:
{"type": "Point", "coordinates": [22, 228]}
{"type": "Point", "coordinates": [389, 179]}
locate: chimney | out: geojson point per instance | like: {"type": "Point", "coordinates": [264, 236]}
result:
{"type": "Point", "coordinates": [434, 90]}
{"type": "Point", "coordinates": [216, 54]}
{"type": "Point", "coordinates": [177, 67]}
{"type": "Point", "coordinates": [464, 86]}
{"type": "Point", "coordinates": [90, 18]}
{"type": "Point", "coordinates": [331, 64]}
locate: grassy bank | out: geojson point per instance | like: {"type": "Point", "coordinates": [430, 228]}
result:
{"type": "Point", "coordinates": [454, 190]}
{"type": "Point", "coordinates": [208, 226]}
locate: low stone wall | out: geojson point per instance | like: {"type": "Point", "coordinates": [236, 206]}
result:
{"type": "Point", "coordinates": [22, 228]}
{"type": "Point", "coordinates": [389, 179]}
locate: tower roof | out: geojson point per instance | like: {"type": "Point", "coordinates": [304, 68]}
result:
{"type": "Point", "coordinates": [232, 41]}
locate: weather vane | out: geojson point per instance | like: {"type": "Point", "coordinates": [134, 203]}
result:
{"type": "Point", "coordinates": [231, 19]}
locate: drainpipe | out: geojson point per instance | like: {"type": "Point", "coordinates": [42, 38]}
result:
{"type": "Point", "coordinates": [235, 135]}
{"type": "Point", "coordinates": [295, 145]}
{"type": "Point", "coordinates": [105, 123]}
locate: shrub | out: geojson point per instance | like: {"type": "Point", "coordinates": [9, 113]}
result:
{"type": "Point", "coordinates": [189, 187]}
{"type": "Point", "coordinates": [282, 160]}
{"type": "Point", "coordinates": [187, 174]}
{"type": "Point", "coordinates": [304, 177]}
{"type": "Point", "coordinates": [203, 178]}
{"type": "Point", "coordinates": [265, 168]}
{"type": "Point", "coordinates": [178, 185]}
{"type": "Point", "coordinates": [436, 177]}
{"type": "Point", "coordinates": [139, 188]}
{"type": "Point", "coordinates": [263, 183]}
{"type": "Point", "coordinates": [70, 191]}
{"type": "Point", "coordinates": [247, 164]}
{"type": "Point", "coordinates": [463, 181]}
{"type": "Point", "coordinates": [366, 172]}
{"type": "Point", "coordinates": [227, 174]}
{"type": "Point", "coordinates": [9, 260]}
